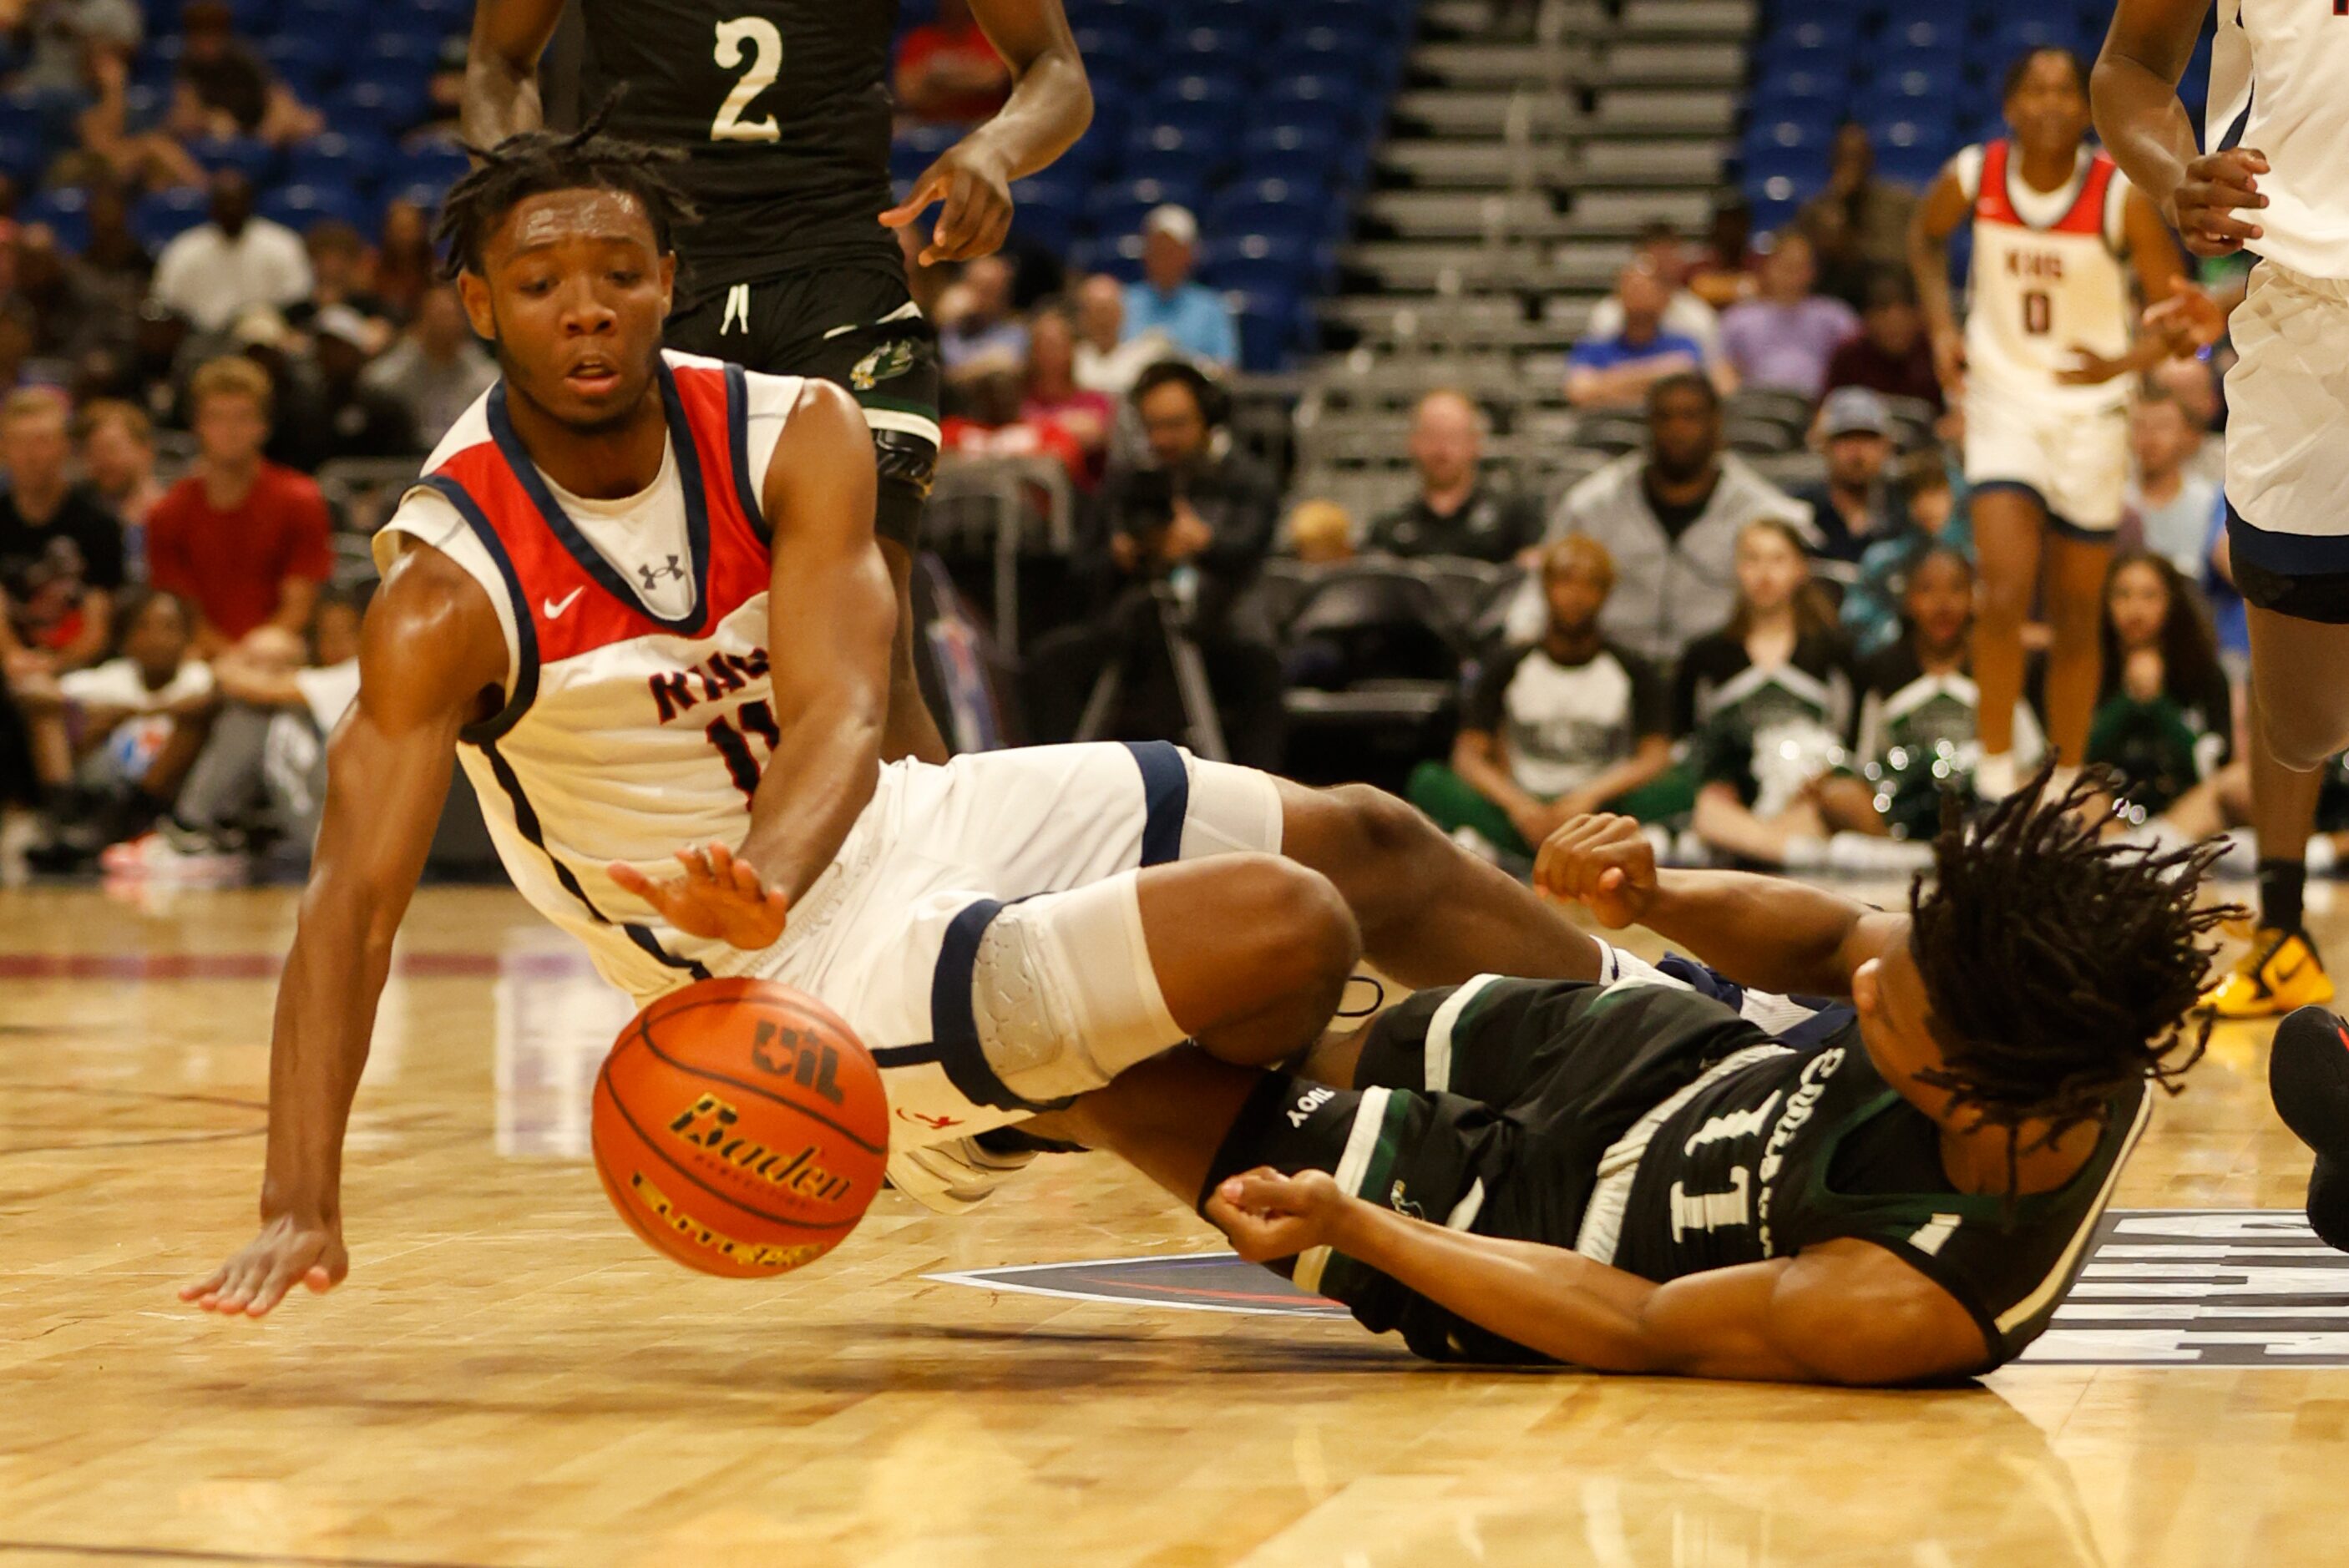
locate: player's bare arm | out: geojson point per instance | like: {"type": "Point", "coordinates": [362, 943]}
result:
{"type": "Point", "coordinates": [1050, 105]}
{"type": "Point", "coordinates": [1841, 1311]}
{"type": "Point", "coordinates": [501, 67]}
{"type": "Point", "coordinates": [431, 660]}
{"type": "Point", "coordinates": [830, 619]}
{"type": "Point", "coordinates": [1766, 932]}
{"type": "Point", "coordinates": [1937, 218]}
{"type": "Point", "coordinates": [2134, 91]}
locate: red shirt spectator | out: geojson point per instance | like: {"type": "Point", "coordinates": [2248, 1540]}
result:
{"type": "Point", "coordinates": [244, 541]}
{"type": "Point", "coordinates": [948, 71]}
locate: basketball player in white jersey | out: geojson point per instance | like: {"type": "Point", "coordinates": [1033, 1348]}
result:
{"type": "Point", "coordinates": [642, 591]}
{"type": "Point", "coordinates": [2281, 68]}
{"type": "Point", "coordinates": [2042, 366]}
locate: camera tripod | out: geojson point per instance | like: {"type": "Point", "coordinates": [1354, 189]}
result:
{"type": "Point", "coordinates": [1203, 725]}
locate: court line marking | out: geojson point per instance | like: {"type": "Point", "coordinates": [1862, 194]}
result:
{"type": "Point", "coordinates": [992, 1279]}
{"type": "Point", "coordinates": [198, 1554]}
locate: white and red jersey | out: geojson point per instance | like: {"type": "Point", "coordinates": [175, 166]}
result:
{"type": "Point", "coordinates": [638, 713]}
{"type": "Point", "coordinates": [2047, 279]}
{"type": "Point", "coordinates": [2287, 63]}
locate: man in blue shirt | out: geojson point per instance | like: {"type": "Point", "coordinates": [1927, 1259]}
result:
{"type": "Point", "coordinates": [1616, 372]}
{"type": "Point", "coordinates": [1193, 316]}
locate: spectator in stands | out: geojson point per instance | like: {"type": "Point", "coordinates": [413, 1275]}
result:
{"type": "Point", "coordinates": [1860, 222]}
{"type": "Point", "coordinates": [1108, 361]}
{"type": "Point", "coordinates": [1873, 600]}
{"type": "Point", "coordinates": [1198, 518]}
{"type": "Point", "coordinates": [109, 151]}
{"type": "Point", "coordinates": [1891, 353]}
{"type": "Point", "coordinates": [985, 419]}
{"type": "Point", "coordinates": [1615, 372]}
{"type": "Point", "coordinates": [67, 318]}
{"type": "Point", "coordinates": [436, 368]}
{"type": "Point", "coordinates": [224, 90]}
{"type": "Point", "coordinates": [1855, 506]}
{"type": "Point", "coordinates": [113, 741]}
{"type": "Point", "coordinates": [1053, 393]}
{"type": "Point", "coordinates": [118, 454]}
{"type": "Point", "coordinates": [1784, 335]}
{"type": "Point", "coordinates": [2190, 380]}
{"type": "Point", "coordinates": [1765, 704]}
{"type": "Point", "coordinates": [262, 773]}
{"type": "Point", "coordinates": [2165, 712]}
{"type": "Point", "coordinates": [2172, 503]}
{"type": "Point", "coordinates": [1723, 272]}
{"type": "Point", "coordinates": [340, 275]}
{"type": "Point", "coordinates": [947, 71]}
{"type": "Point", "coordinates": [58, 35]}
{"type": "Point", "coordinates": [1456, 512]}
{"type": "Point", "coordinates": [1686, 315]}
{"type": "Point", "coordinates": [353, 417]}
{"type": "Point", "coordinates": [233, 262]}
{"type": "Point", "coordinates": [1556, 728]}
{"type": "Point", "coordinates": [161, 340]}
{"type": "Point", "coordinates": [1190, 316]}
{"type": "Point", "coordinates": [978, 333]}
{"type": "Point", "coordinates": [1669, 517]}
{"type": "Point", "coordinates": [406, 269]}
{"type": "Point", "coordinates": [17, 328]}
{"type": "Point", "coordinates": [244, 540]}
{"type": "Point", "coordinates": [115, 259]}
{"type": "Point", "coordinates": [61, 563]}
{"type": "Point", "coordinates": [1320, 533]}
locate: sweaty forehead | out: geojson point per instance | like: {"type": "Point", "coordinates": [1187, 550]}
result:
{"type": "Point", "coordinates": [568, 217]}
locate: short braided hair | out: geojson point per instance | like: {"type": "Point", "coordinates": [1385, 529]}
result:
{"type": "Point", "coordinates": [534, 163]}
{"type": "Point", "coordinates": [2061, 967]}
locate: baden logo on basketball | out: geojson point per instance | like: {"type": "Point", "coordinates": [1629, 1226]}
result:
{"type": "Point", "coordinates": [709, 1123]}
{"type": "Point", "coordinates": [752, 1254]}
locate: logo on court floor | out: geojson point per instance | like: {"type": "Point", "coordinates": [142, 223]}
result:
{"type": "Point", "coordinates": [2175, 1287]}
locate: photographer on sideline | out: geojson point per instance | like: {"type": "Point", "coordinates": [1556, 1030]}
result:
{"type": "Point", "coordinates": [1197, 519]}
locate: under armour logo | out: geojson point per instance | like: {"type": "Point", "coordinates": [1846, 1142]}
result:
{"type": "Point", "coordinates": [653, 574]}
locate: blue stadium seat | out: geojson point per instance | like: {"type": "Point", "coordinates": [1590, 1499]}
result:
{"type": "Point", "coordinates": [1285, 97]}
{"type": "Point", "coordinates": [1924, 34]}
{"type": "Point", "coordinates": [253, 158]}
{"type": "Point", "coordinates": [424, 193]}
{"type": "Point", "coordinates": [1200, 99]}
{"type": "Point", "coordinates": [1807, 45]}
{"type": "Point", "coordinates": [1139, 20]}
{"type": "Point", "coordinates": [1355, 18]}
{"type": "Point", "coordinates": [1898, 93]}
{"type": "Point", "coordinates": [1119, 209]}
{"type": "Point", "coordinates": [22, 157]}
{"type": "Point", "coordinates": [337, 158]}
{"type": "Point", "coordinates": [1275, 207]}
{"type": "Point", "coordinates": [1288, 151]}
{"type": "Point", "coordinates": [1268, 321]}
{"type": "Point", "coordinates": [163, 216]}
{"type": "Point", "coordinates": [1112, 58]}
{"type": "Point", "coordinates": [1175, 152]}
{"type": "Point", "coordinates": [379, 103]}
{"type": "Point", "coordinates": [1807, 135]}
{"type": "Point", "coordinates": [302, 207]}
{"type": "Point", "coordinates": [1799, 95]}
{"type": "Point", "coordinates": [1256, 261]}
{"type": "Point", "coordinates": [1208, 50]}
{"type": "Point", "coordinates": [303, 62]}
{"type": "Point", "coordinates": [394, 53]}
{"type": "Point", "coordinates": [436, 162]}
{"type": "Point", "coordinates": [1047, 212]}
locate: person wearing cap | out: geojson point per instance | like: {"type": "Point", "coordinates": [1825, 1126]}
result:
{"type": "Point", "coordinates": [1190, 316]}
{"type": "Point", "coordinates": [1854, 507]}
{"type": "Point", "coordinates": [1784, 336]}
{"type": "Point", "coordinates": [232, 262]}
{"type": "Point", "coordinates": [352, 417]}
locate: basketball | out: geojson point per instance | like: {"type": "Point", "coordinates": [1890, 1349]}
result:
{"type": "Point", "coordinates": [741, 1127]}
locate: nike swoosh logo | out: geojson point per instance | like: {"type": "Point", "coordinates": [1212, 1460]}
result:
{"type": "Point", "coordinates": [554, 607]}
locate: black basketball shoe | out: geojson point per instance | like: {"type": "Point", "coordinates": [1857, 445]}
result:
{"type": "Point", "coordinates": [2308, 1078]}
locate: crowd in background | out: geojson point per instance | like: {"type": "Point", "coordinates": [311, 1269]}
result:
{"type": "Point", "coordinates": [1769, 674]}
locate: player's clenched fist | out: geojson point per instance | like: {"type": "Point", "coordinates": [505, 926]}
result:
{"type": "Point", "coordinates": [1602, 863]}
{"type": "Point", "coordinates": [2217, 186]}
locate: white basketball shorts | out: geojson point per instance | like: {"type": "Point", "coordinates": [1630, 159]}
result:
{"type": "Point", "coordinates": [2288, 428]}
{"type": "Point", "coordinates": [2074, 460]}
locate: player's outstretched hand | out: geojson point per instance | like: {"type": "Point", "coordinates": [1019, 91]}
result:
{"type": "Point", "coordinates": [257, 1277]}
{"type": "Point", "coordinates": [1269, 1215]}
{"type": "Point", "coordinates": [2188, 322]}
{"type": "Point", "coordinates": [1603, 862]}
{"type": "Point", "coordinates": [976, 186]}
{"type": "Point", "coordinates": [2217, 186]}
{"type": "Point", "coordinates": [719, 897]}
{"type": "Point", "coordinates": [2089, 368]}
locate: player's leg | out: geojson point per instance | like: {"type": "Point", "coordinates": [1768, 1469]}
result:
{"type": "Point", "coordinates": [1431, 913]}
{"type": "Point", "coordinates": [910, 730]}
{"type": "Point", "coordinates": [2076, 568]}
{"type": "Point", "coordinates": [2009, 528]}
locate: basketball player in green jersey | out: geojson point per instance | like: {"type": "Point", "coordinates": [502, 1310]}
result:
{"type": "Point", "coordinates": [782, 109]}
{"type": "Point", "coordinates": [1661, 1171]}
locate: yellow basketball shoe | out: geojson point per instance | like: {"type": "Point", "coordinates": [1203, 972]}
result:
{"type": "Point", "coordinates": [2280, 972]}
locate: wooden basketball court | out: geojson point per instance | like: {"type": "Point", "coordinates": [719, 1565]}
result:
{"type": "Point", "coordinates": [511, 1378]}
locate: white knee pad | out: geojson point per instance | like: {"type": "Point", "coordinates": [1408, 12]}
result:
{"type": "Point", "coordinates": [1233, 811]}
{"type": "Point", "coordinates": [1063, 994]}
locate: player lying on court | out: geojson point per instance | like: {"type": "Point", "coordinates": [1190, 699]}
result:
{"type": "Point", "coordinates": [639, 595]}
{"type": "Point", "coordinates": [1657, 1169]}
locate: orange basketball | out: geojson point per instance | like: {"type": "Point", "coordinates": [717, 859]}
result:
{"type": "Point", "coordinates": [741, 1127]}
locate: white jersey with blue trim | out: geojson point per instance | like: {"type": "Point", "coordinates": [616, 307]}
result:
{"type": "Point", "coordinates": [639, 711]}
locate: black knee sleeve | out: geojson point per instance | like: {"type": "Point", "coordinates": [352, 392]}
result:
{"type": "Point", "coordinates": [906, 465]}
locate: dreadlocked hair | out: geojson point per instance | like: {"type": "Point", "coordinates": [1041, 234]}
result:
{"type": "Point", "coordinates": [534, 162]}
{"type": "Point", "coordinates": [2059, 967]}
